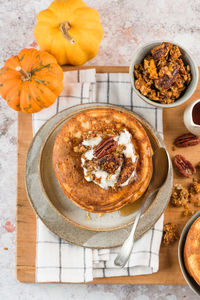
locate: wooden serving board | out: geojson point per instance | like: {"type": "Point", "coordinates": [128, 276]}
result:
{"type": "Point", "coordinates": [169, 271]}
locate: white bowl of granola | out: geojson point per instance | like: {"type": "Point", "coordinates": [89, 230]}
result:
{"type": "Point", "coordinates": [163, 74]}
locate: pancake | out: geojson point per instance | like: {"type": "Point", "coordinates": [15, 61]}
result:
{"type": "Point", "coordinates": [192, 251]}
{"type": "Point", "coordinates": [112, 126]}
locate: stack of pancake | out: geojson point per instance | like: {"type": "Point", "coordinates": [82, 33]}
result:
{"type": "Point", "coordinates": [67, 163]}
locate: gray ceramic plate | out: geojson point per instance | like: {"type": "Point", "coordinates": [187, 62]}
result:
{"type": "Point", "coordinates": [60, 214]}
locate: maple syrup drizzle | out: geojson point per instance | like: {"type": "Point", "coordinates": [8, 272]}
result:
{"type": "Point", "coordinates": [196, 114]}
{"type": "Point", "coordinates": [130, 208]}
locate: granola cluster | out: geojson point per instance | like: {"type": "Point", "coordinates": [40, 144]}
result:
{"type": "Point", "coordinates": [194, 192]}
{"type": "Point", "coordinates": [162, 76]}
{"type": "Point", "coordinates": [182, 197]}
{"type": "Point", "coordinates": [106, 156]}
{"type": "Point", "coordinates": [170, 234]}
{"type": "Point", "coordinates": [179, 196]}
{"type": "Point", "coordinates": [194, 187]}
{"type": "Point", "coordinates": [109, 163]}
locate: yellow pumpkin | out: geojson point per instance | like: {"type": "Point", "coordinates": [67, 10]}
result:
{"type": "Point", "coordinates": [31, 80]}
{"type": "Point", "coordinates": [70, 30]}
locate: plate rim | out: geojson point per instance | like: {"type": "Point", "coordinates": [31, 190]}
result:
{"type": "Point", "coordinates": [126, 226]}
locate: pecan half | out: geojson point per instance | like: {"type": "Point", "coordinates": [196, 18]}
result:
{"type": "Point", "coordinates": [105, 147]}
{"type": "Point", "coordinates": [169, 74]}
{"type": "Point", "coordinates": [126, 171]}
{"type": "Point", "coordinates": [184, 166]}
{"type": "Point", "coordinates": [186, 140]}
{"type": "Point", "coordinates": [161, 51]}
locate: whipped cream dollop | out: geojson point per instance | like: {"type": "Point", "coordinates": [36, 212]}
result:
{"type": "Point", "coordinates": [102, 178]}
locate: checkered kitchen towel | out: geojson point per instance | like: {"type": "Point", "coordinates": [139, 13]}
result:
{"type": "Point", "coordinates": [59, 261]}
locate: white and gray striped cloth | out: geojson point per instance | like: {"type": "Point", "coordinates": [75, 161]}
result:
{"type": "Point", "coordinates": [59, 261]}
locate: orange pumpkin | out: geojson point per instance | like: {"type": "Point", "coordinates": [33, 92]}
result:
{"type": "Point", "coordinates": [69, 30]}
{"type": "Point", "coordinates": [31, 80]}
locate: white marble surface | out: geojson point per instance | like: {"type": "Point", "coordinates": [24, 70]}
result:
{"type": "Point", "coordinates": [127, 24]}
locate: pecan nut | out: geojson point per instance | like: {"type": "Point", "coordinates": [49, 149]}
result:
{"type": "Point", "coordinates": [184, 166]}
{"type": "Point", "coordinates": [186, 140]}
{"type": "Point", "coordinates": [161, 51]}
{"type": "Point", "coordinates": [105, 147]}
{"type": "Point", "coordinates": [167, 79]}
{"type": "Point", "coordinates": [126, 171]}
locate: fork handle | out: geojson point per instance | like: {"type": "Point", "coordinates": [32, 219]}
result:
{"type": "Point", "coordinates": [127, 246]}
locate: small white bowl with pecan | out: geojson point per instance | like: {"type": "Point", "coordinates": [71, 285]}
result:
{"type": "Point", "coordinates": [163, 74]}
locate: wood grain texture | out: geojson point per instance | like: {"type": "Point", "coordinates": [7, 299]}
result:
{"type": "Point", "coordinates": [26, 219]}
{"type": "Point", "coordinates": [169, 271]}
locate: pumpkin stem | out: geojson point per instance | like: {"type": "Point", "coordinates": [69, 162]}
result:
{"type": "Point", "coordinates": [25, 75]}
{"type": "Point", "coordinates": [64, 27]}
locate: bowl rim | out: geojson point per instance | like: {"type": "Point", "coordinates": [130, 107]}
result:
{"type": "Point", "coordinates": [188, 278]}
{"type": "Point", "coordinates": [179, 101]}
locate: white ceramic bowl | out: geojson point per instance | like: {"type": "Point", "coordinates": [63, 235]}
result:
{"type": "Point", "coordinates": [187, 58]}
{"type": "Point", "coordinates": [188, 120]}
